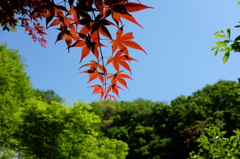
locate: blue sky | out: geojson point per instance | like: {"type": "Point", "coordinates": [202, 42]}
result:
{"type": "Point", "coordinates": [177, 36]}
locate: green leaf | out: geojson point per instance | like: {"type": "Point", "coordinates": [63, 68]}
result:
{"type": "Point", "coordinates": [222, 133]}
{"type": "Point", "coordinates": [206, 147]}
{"type": "Point", "coordinates": [234, 144]}
{"type": "Point", "coordinates": [220, 36]}
{"type": "Point", "coordinates": [238, 3]}
{"type": "Point", "coordinates": [236, 46]}
{"type": "Point", "coordinates": [221, 43]}
{"type": "Point", "coordinates": [216, 51]}
{"type": "Point", "coordinates": [221, 31]}
{"type": "Point", "coordinates": [216, 149]}
{"type": "Point", "coordinates": [231, 138]}
{"type": "Point", "coordinates": [215, 47]}
{"type": "Point", "coordinates": [228, 32]}
{"type": "Point", "coordinates": [226, 49]}
{"type": "Point", "coordinates": [226, 56]}
{"type": "Point", "coordinates": [237, 38]}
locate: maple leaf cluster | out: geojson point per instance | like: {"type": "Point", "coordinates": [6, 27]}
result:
{"type": "Point", "coordinates": [82, 23]}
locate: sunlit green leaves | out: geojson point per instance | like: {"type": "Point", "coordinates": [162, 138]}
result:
{"type": "Point", "coordinates": [224, 46]}
{"type": "Point", "coordinates": [219, 36]}
{"type": "Point", "coordinates": [14, 90]}
{"type": "Point", "coordinates": [226, 56]}
{"type": "Point", "coordinates": [228, 32]}
{"type": "Point", "coordinates": [216, 146]}
{"type": "Point", "coordinates": [65, 132]}
{"type": "Point", "coordinates": [233, 45]}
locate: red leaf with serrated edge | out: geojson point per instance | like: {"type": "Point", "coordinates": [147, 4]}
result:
{"type": "Point", "coordinates": [95, 65]}
{"type": "Point", "coordinates": [87, 47]}
{"type": "Point", "coordinates": [130, 18]}
{"type": "Point", "coordinates": [124, 40]}
{"type": "Point", "coordinates": [127, 36]}
{"type": "Point", "coordinates": [134, 45]}
{"type": "Point", "coordinates": [74, 35]}
{"type": "Point", "coordinates": [120, 59]}
{"type": "Point", "coordinates": [133, 7]}
{"type": "Point", "coordinates": [114, 88]}
{"type": "Point", "coordinates": [68, 15]}
{"type": "Point", "coordinates": [68, 40]}
{"type": "Point", "coordinates": [65, 34]}
{"type": "Point", "coordinates": [110, 96]}
{"type": "Point", "coordinates": [79, 43]}
{"type": "Point", "coordinates": [55, 22]}
{"type": "Point", "coordinates": [98, 90]}
{"type": "Point", "coordinates": [116, 16]}
{"type": "Point", "coordinates": [85, 52]}
{"type": "Point", "coordinates": [59, 12]}
{"type": "Point", "coordinates": [104, 31]}
{"type": "Point", "coordinates": [119, 77]}
{"type": "Point", "coordinates": [95, 75]}
{"type": "Point", "coordinates": [49, 15]}
{"type": "Point", "coordinates": [64, 23]}
{"type": "Point", "coordinates": [84, 30]}
{"type": "Point", "coordinates": [75, 15]}
{"type": "Point", "coordinates": [60, 37]}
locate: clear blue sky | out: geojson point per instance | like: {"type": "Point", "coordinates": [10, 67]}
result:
{"type": "Point", "coordinates": [177, 36]}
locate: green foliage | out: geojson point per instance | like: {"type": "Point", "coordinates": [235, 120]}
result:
{"type": "Point", "coordinates": [134, 123]}
{"type": "Point", "coordinates": [227, 45]}
{"type": "Point", "coordinates": [47, 96]}
{"type": "Point", "coordinates": [106, 110]}
{"type": "Point", "coordinates": [40, 127]}
{"type": "Point", "coordinates": [160, 130]}
{"type": "Point", "coordinates": [63, 132]}
{"type": "Point", "coordinates": [152, 130]}
{"type": "Point", "coordinates": [15, 89]}
{"type": "Point", "coordinates": [216, 146]}
{"type": "Point", "coordinates": [190, 133]}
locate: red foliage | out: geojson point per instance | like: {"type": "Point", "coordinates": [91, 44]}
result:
{"type": "Point", "coordinates": [82, 23]}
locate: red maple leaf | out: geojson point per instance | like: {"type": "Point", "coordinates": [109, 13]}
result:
{"type": "Point", "coordinates": [98, 90]}
{"type": "Point", "coordinates": [114, 88]}
{"type": "Point", "coordinates": [119, 77]}
{"type": "Point", "coordinates": [94, 17]}
{"type": "Point", "coordinates": [124, 41]}
{"type": "Point", "coordinates": [120, 59]}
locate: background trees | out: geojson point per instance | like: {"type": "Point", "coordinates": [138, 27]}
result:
{"type": "Point", "coordinates": [39, 122]}
{"type": "Point", "coordinates": [63, 132]}
{"type": "Point", "coordinates": [47, 96]}
{"type": "Point", "coordinates": [15, 89]}
{"type": "Point", "coordinates": [34, 124]}
{"type": "Point", "coordinates": [214, 145]}
{"type": "Point", "coordinates": [160, 130]}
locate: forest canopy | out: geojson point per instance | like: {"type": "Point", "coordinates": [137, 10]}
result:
{"type": "Point", "coordinates": [36, 121]}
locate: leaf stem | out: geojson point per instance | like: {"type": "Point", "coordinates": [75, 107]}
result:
{"type": "Point", "coordinates": [101, 59]}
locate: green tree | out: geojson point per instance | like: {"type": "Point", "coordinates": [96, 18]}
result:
{"type": "Point", "coordinates": [15, 89]}
{"type": "Point", "coordinates": [47, 96]}
{"type": "Point", "coordinates": [64, 132]}
{"type": "Point", "coordinates": [134, 124]}
{"type": "Point", "coordinates": [159, 130]}
{"type": "Point", "coordinates": [215, 146]}
{"type": "Point", "coordinates": [210, 105]}
{"type": "Point", "coordinates": [106, 110]}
